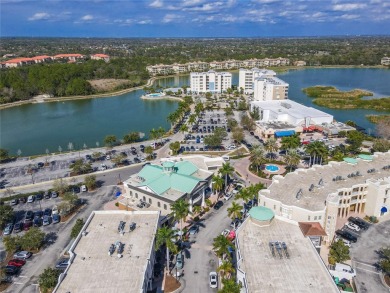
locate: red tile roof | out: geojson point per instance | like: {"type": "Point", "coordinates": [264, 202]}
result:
{"type": "Point", "coordinates": [67, 55]}
{"type": "Point", "coordinates": [41, 57]}
{"type": "Point", "coordinates": [17, 60]}
{"type": "Point", "coordinates": [312, 229]}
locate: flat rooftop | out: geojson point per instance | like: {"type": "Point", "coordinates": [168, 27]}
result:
{"type": "Point", "coordinates": [290, 108]}
{"type": "Point", "coordinates": [272, 80]}
{"type": "Point", "coordinates": [285, 189]}
{"type": "Point", "coordinates": [94, 270]}
{"type": "Point", "coordinates": [302, 272]}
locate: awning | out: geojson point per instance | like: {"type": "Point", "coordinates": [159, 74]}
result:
{"type": "Point", "coordinates": [284, 133]}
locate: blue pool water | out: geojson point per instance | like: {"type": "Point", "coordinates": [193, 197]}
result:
{"type": "Point", "coordinates": [155, 95]}
{"type": "Point", "coordinates": [272, 168]}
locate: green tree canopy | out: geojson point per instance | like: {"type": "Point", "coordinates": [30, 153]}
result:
{"type": "Point", "coordinates": [339, 252]}
{"type": "Point", "coordinates": [77, 228]}
{"type": "Point", "coordinates": [131, 137]}
{"type": "Point", "coordinates": [48, 279]}
{"type": "Point", "coordinates": [174, 147]}
{"type": "Point", "coordinates": [6, 215]}
{"type": "Point", "coordinates": [32, 239]}
{"type": "Point", "coordinates": [3, 154]}
{"type": "Point", "coordinates": [90, 182]}
{"type": "Point", "coordinates": [110, 140]}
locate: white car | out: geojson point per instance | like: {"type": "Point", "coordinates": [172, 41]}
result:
{"type": "Point", "coordinates": [345, 241]}
{"type": "Point", "coordinates": [225, 232]}
{"type": "Point", "coordinates": [31, 199]}
{"type": "Point", "coordinates": [54, 211]}
{"type": "Point", "coordinates": [353, 226]}
{"type": "Point", "coordinates": [213, 280]}
{"type": "Point", "coordinates": [84, 188]}
{"type": "Point", "coordinates": [228, 196]}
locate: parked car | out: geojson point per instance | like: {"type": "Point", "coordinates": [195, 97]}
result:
{"type": "Point", "coordinates": [46, 220]}
{"type": "Point", "coordinates": [23, 255]}
{"type": "Point", "coordinates": [54, 211]}
{"type": "Point", "coordinates": [18, 227]}
{"type": "Point", "coordinates": [346, 235]}
{"type": "Point", "coordinates": [345, 241]}
{"type": "Point", "coordinates": [17, 262]}
{"type": "Point", "coordinates": [179, 261]}
{"type": "Point", "coordinates": [47, 195]}
{"type": "Point", "coordinates": [37, 222]}
{"type": "Point", "coordinates": [235, 223]}
{"type": "Point", "coordinates": [360, 222]}
{"type": "Point", "coordinates": [38, 214]}
{"type": "Point", "coordinates": [23, 199]}
{"type": "Point", "coordinates": [353, 226]}
{"type": "Point", "coordinates": [54, 194]}
{"type": "Point", "coordinates": [84, 188]}
{"type": "Point", "coordinates": [62, 264]}
{"type": "Point", "coordinates": [56, 218]}
{"type": "Point", "coordinates": [11, 270]}
{"type": "Point", "coordinates": [47, 212]}
{"type": "Point", "coordinates": [8, 229]}
{"type": "Point", "coordinates": [213, 280]}
{"type": "Point", "coordinates": [14, 202]}
{"type": "Point", "coordinates": [31, 199]}
{"type": "Point", "coordinates": [76, 189]}
{"type": "Point", "coordinates": [218, 205]}
{"type": "Point", "coordinates": [39, 196]}
{"type": "Point", "coordinates": [193, 230]}
{"type": "Point", "coordinates": [29, 216]}
{"type": "Point", "coordinates": [27, 225]}
{"type": "Point", "coordinates": [228, 196]}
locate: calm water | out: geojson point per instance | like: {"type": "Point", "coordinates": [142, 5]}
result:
{"type": "Point", "coordinates": [33, 128]}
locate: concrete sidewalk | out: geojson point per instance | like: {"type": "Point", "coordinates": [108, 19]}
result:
{"type": "Point", "coordinates": [242, 167]}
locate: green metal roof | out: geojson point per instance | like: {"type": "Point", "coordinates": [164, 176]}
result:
{"type": "Point", "coordinates": [365, 157]}
{"type": "Point", "coordinates": [350, 161]}
{"type": "Point", "coordinates": [180, 179]}
{"type": "Point", "coordinates": [261, 213]}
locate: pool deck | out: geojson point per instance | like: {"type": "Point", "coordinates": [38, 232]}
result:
{"type": "Point", "coordinates": [165, 97]}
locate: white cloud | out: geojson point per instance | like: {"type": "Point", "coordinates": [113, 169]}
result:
{"type": "Point", "coordinates": [39, 16]}
{"type": "Point", "coordinates": [171, 18]}
{"type": "Point", "coordinates": [145, 21]}
{"type": "Point", "coordinates": [349, 16]}
{"type": "Point", "coordinates": [157, 4]}
{"type": "Point", "coordinates": [87, 17]}
{"type": "Point", "coordinates": [348, 6]}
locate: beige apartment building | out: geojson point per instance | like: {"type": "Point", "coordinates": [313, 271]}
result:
{"type": "Point", "coordinates": [385, 61]}
{"type": "Point", "coordinates": [334, 191]}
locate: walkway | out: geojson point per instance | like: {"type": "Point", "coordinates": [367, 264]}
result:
{"type": "Point", "coordinates": [242, 166]}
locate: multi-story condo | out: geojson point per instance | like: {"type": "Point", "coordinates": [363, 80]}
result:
{"type": "Point", "coordinates": [269, 88]}
{"type": "Point", "coordinates": [385, 61]}
{"type": "Point", "coordinates": [333, 192]}
{"type": "Point", "coordinates": [211, 81]}
{"type": "Point", "coordinates": [247, 77]}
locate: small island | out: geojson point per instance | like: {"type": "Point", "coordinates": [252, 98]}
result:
{"type": "Point", "coordinates": [331, 97]}
{"type": "Point", "coordinates": [378, 118]}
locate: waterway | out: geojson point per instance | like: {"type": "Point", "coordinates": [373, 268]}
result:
{"type": "Point", "coordinates": [33, 128]}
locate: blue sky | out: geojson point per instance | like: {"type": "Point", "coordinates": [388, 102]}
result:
{"type": "Point", "coordinates": [193, 18]}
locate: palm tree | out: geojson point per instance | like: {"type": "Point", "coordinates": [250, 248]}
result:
{"type": "Point", "coordinates": [230, 286]}
{"type": "Point", "coordinates": [221, 246]}
{"type": "Point", "coordinates": [271, 146]}
{"type": "Point", "coordinates": [292, 159]}
{"type": "Point", "coordinates": [257, 156]}
{"type": "Point", "coordinates": [180, 210]}
{"type": "Point", "coordinates": [192, 119]}
{"type": "Point", "coordinates": [290, 142]}
{"type": "Point", "coordinates": [316, 148]}
{"type": "Point", "coordinates": [154, 135]}
{"type": "Point", "coordinates": [184, 128]}
{"type": "Point", "coordinates": [234, 211]}
{"type": "Point", "coordinates": [244, 194]}
{"type": "Point", "coordinates": [226, 170]}
{"type": "Point", "coordinates": [165, 236]}
{"type": "Point", "coordinates": [172, 118]}
{"type": "Point", "coordinates": [254, 189]}
{"type": "Point", "coordinates": [197, 210]}
{"type": "Point", "coordinates": [160, 133]}
{"type": "Point", "coordinates": [217, 183]}
{"type": "Point", "coordinates": [226, 269]}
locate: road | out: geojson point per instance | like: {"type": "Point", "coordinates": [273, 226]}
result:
{"type": "Point", "coordinates": [27, 281]}
{"type": "Point", "coordinates": [201, 257]}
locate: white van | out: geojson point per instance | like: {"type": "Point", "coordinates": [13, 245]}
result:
{"type": "Point", "coordinates": [226, 158]}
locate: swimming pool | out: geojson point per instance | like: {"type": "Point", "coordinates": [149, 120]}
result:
{"type": "Point", "coordinates": [156, 95]}
{"type": "Point", "coordinates": [272, 168]}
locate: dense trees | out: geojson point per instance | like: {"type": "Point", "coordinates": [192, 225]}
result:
{"type": "Point", "coordinates": [339, 252]}
{"type": "Point", "coordinates": [48, 279]}
{"type": "Point", "coordinates": [31, 240]}
{"type": "Point", "coordinates": [131, 137]}
{"type": "Point", "coordinates": [77, 228]}
{"type": "Point", "coordinates": [6, 215]}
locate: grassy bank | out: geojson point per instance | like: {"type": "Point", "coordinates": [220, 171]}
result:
{"type": "Point", "coordinates": [331, 97]}
{"type": "Point", "coordinates": [377, 118]}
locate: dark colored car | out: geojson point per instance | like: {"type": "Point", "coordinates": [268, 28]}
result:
{"type": "Point", "coordinates": [360, 222]}
{"type": "Point", "coordinates": [47, 195]}
{"type": "Point", "coordinates": [76, 189]}
{"type": "Point", "coordinates": [18, 227]}
{"type": "Point", "coordinates": [23, 199]}
{"type": "Point", "coordinates": [29, 216]}
{"type": "Point", "coordinates": [37, 222]}
{"type": "Point", "coordinates": [47, 212]}
{"type": "Point", "coordinates": [17, 262]}
{"type": "Point", "coordinates": [41, 165]}
{"type": "Point", "coordinates": [27, 225]}
{"type": "Point", "coordinates": [56, 218]}
{"type": "Point", "coordinates": [38, 197]}
{"type": "Point", "coordinates": [346, 235]}
{"type": "Point", "coordinates": [218, 205]}
{"type": "Point", "coordinates": [11, 270]}
{"type": "Point", "coordinates": [62, 264]}
{"type": "Point", "coordinates": [14, 202]}
{"type": "Point", "coordinates": [38, 214]}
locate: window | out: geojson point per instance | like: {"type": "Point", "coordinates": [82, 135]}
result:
{"type": "Point", "coordinates": [319, 217]}
{"type": "Point", "coordinates": [136, 195]}
{"type": "Point", "coordinates": [315, 218]}
{"type": "Point", "coordinates": [274, 206]}
{"type": "Point", "coordinates": [144, 198]}
{"type": "Point", "coordinates": [308, 218]}
{"type": "Point", "coordinates": [165, 206]}
{"type": "Point", "coordinates": [131, 193]}
{"type": "Point", "coordinates": [264, 204]}
{"type": "Point", "coordinates": [150, 200]}
{"type": "Point", "coordinates": [158, 204]}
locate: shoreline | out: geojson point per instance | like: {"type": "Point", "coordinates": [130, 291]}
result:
{"type": "Point", "coordinates": [165, 97]}
{"type": "Point", "coordinates": [154, 78]}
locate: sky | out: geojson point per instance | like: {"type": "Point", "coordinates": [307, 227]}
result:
{"type": "Point", "coordinates": [193, 18]}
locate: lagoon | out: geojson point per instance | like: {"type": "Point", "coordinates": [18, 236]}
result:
{"type": "Point", "coordinates": [33, 128]}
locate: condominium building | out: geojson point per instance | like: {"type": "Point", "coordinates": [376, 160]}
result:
{"type": "Point", "coordinates": [211, 81]}
{"type": "Point", "coordinates": [269, 88]}
{"type": "Point", "coordinates": [327, 194]}
{"type": "Point", "coordinates": [385, 61]}
{"type": "Point", "coordinates": [246, 78]}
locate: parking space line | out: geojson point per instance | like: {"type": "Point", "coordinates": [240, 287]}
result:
{"type": "Point", "coordinates": [365, 264]}
{"type": "Point", "coordinates": [18, 283]}
{"type": "Point", "coordinates": [367, 270]}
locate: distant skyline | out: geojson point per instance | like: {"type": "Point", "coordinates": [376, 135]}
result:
{"type": "Point", "coordinates": [193, 18]}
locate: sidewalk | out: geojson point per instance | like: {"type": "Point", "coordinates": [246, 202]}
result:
{"type": "Point", "coordinates": [242, 166]}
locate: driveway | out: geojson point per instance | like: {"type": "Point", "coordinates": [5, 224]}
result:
{"type": "Point", "coordinates": [202, 259]}
{"type": "Point", "coordinates": [363, 257]}
{"type": "Point", "coordinates": [27, 281]}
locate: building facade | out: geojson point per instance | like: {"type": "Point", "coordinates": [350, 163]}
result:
{"type": "Point", "coordinates": [104, 57]}
{"type": "Point", "coordinates": [269, 89]}
{"type": "Point", "coordinates": [247, 77]}
{"type": "Point", "coordinates": [211, 81]}
{"type": "Point", "coordinates": [385, 61]}
{"type": "Point", "coordinates": [327, 193]}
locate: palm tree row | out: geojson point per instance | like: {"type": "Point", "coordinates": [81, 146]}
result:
{"type": "Point", "coordinates": [174, 117]}
{"type": "Point", "coordinates": [316, 149]}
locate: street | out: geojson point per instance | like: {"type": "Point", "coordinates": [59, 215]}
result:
{"type": "Point", "coordinates": [202, 260]}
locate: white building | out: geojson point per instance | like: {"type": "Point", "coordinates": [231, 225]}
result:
{"type": "Point", "coordinates": [269, 88]}
{"type": "Point", "coordinates": [385, 61]}
{"type": "Point", "coordinates": [211, 81]}
{"type": "Point", "coordinates": [247, 77]}
{"type": "Point", "coordinates": [330, 192]}
{"type": "Point", "coordinates": [129, 268]}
